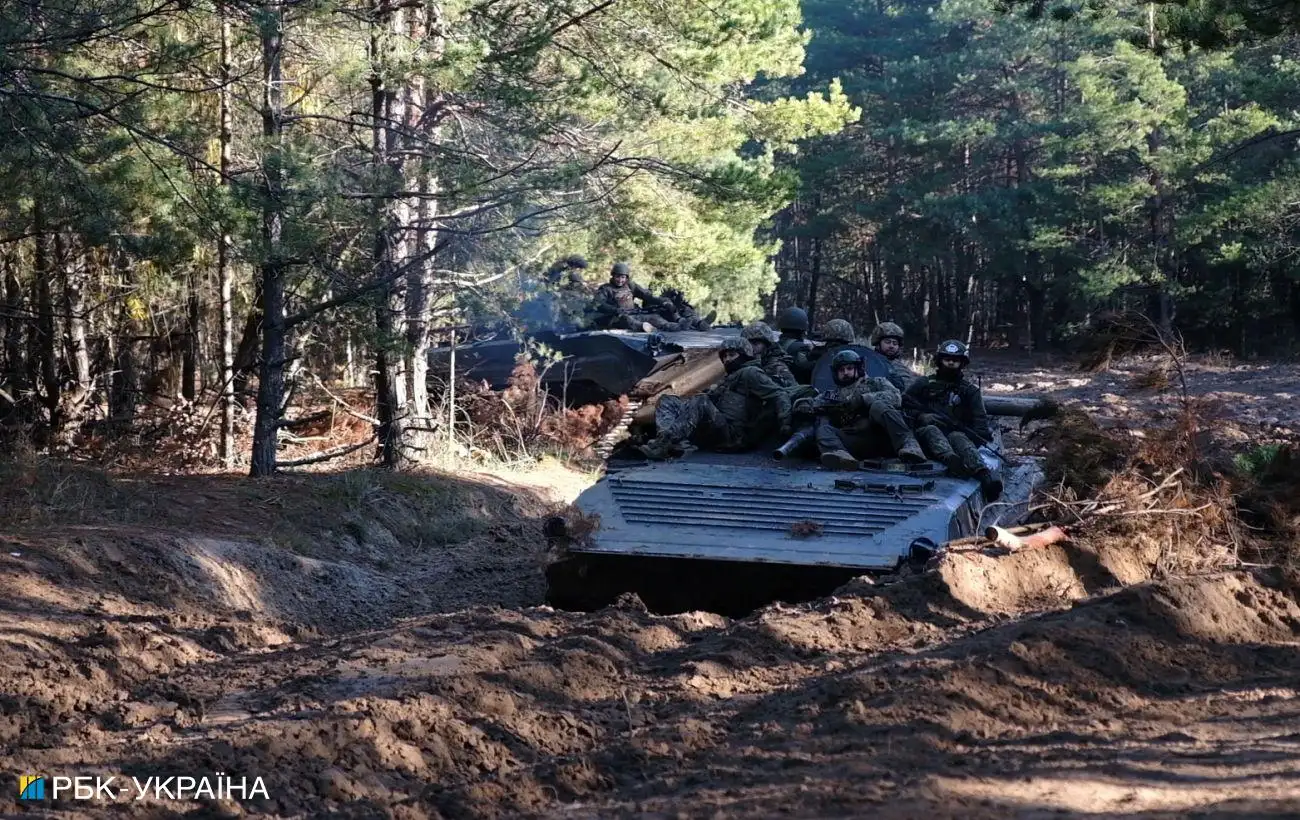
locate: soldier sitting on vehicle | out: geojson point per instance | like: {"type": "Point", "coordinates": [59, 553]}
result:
{"type": "Point", "coordinates": [735, 414]}
{"type": "Point", "coordinates": [948, 412]}
{"type": "Point", "coordinates": [836, 334]}
{"type": "Point", "coordinates": [769, 354]}
{"type": "Point", "coordinates": [679, 314]}
{"type": "Point", "coordinates": [887, 340]}
{"type": "Point", "coordinates": [859, 419]}
{"type": "Point", "coordinates": [615, 305]}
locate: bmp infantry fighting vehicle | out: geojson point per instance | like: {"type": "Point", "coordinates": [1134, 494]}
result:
{"type": "Point", "coordinates": [600, 365]}
{"type": "Point", "coordinates": [729, 532]}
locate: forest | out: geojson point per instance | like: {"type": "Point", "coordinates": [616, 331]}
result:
{"type": "Point", "coordinates": [219, 206]}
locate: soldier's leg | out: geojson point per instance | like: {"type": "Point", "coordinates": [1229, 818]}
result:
{"type": "Point", "coordinates": [935, 445]}
{"type": "Point", "coordinates": [677, 421]}
{"type": "Point", "coordinates": [968, 457]}
{"type": "Point", "coordinates": [972, 466]}
{"type": "Point", "coordinates": [834, 450]}
{"type": "Point", "coordinates": [656, 322]}
{"type": "Point", "coordinates": [900, 435]}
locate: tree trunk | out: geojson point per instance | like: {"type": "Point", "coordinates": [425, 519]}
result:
{"type": "Point", "coordinates": [814, 281]}
{"type": "Point", "coordinates": [391, 218]}
{"type": "Point", "coordinates": [124, 385]}
{"type": "Point", "coordinates": [225, 289]}
{"type": "Point", "coordinates": [270, 388]}
{"type": "Point", "coordinates": [45, 340]}
{"type": "Point", "coordinates": [15, 373]}
{"type": "Point", "coordinates": [193, 323]}
{"type": "Point", "coordinates": [426, 26]}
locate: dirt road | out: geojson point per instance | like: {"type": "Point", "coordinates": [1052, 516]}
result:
{"type": "Point", "coordinates": [282, 630]}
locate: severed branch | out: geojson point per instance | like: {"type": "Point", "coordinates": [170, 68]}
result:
{"type": "Point", "coordinates": [344, 406]}
{"type": "Point", "coordinates": [326, 455]}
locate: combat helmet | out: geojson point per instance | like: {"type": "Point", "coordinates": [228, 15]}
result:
{"type": "Point", "coordinates": [953, 349]}
{"type": "Point", "coordinates": [737, 343]}
{"type": "Point", "coordinates": [838, 330]}
{"type": "Point", "coordinates": [793, 318]}
{"type": "Point", "coordinates": [842, 358]}
{"type": "Point", "coordinates": [886, 330]}
{"type": "Point", "coordinates": [759, 332]}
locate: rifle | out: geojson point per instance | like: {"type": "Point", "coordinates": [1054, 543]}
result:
{"type": "Point", "coordinates": [914, 404]}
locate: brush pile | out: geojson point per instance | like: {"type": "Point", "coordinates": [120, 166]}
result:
{"type": "Point", "coordinates": [1176, 497]}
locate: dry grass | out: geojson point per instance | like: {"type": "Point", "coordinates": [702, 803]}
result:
{"type": "Point", "coordinates": [1175, 496]}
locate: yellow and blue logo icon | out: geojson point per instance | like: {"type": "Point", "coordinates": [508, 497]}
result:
{"type": "Point", "coordinates": [31, 787]}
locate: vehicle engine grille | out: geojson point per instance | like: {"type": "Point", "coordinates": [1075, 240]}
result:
{"type": "Point", "coordinates": [695, 505]}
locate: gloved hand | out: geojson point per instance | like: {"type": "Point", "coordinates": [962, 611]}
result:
{"type": "Point", "coordinates": [927, 419]}
{"type": "Point", "coordinates": [805, 406]}
{"type": "Point", "coordinates": [787, 429]}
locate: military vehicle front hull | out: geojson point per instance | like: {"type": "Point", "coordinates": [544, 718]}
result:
{"type": "Point", "coordinates": [729, 533]}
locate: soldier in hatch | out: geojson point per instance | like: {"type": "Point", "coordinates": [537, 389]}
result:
{"type": "Point", "coordinates": [851, 418]}
{"type": "Point", "coordinates": [949, 411]}
{"type": "Point", "coordinates": [615, 305]}
{"type": "Point", "coordinates": [887, 340]}
{"type": "Point", "coordinates": [735, 414]}
{"type": "Point", "coordinates": [768, 352]}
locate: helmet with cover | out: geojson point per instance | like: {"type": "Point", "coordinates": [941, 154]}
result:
{"type": "Point", "coordinates": [838, 331]}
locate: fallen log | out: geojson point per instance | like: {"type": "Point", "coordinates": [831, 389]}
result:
{"type": "Point", "coordinates": [1012, 541]}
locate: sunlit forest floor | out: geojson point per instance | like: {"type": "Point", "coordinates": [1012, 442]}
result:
{"type": "Point", "coordinates": [373, 645]}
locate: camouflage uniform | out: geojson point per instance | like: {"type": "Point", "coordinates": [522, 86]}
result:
{"type": "Point", "coordinates": [734, 414]}
{"type": "Point", "coordinates": [937, 403]}
{"type": "Point", "coordinates": [855, 415]}
{"type": "Point", "coordinates": [793, 324]}
{"type": "Point", "coordinates": [616, 306]}
{"type": "Point", "coordinates": [900, 375]}
{"type": "Point", "coordinates": [679, 314]}
{"type": "Point", "coordinates": [774, 361]}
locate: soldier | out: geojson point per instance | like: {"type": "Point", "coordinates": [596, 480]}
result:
{"type": "Point", "coordinates": [615, 305]}
{"type": "Point", "coordinates": [850, 418]}
{"type": "Point", "coordinates": [735, 414]}
{"type": "Point", "coordinates": [793, 324]}
{"type": "Point", "coordinates": [768, 352]}
{"type": "Point", "coordinates": [887, 340]}
{"type": "Point", "coordinates": [836, 334]}
{"type": "Point", "coordinates": [680, 314]}
{"type": "Point", "coordinates": [949, 412]}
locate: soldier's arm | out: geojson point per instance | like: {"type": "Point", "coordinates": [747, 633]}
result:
{"type": "Point", "coordinates": [779, 370]}
{"type": "Point", "coordinates": [760, 384]}
{"type": "Point", "coordinates": [603, 302]}
{"type": "Point", "coordinates": [647, 298]}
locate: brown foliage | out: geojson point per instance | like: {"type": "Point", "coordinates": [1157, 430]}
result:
{"type": "Point", "coordinates": [806, 529]}
{"type": "Point", "coordinates": [524, 418]}
{"type": "Point", "coordinates": [1163, 498]}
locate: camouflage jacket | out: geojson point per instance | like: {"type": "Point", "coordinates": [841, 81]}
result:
{"type": "Point", "coordinates": [850, 404]}
{"type": "Point", "coordinates": [746, 396]}
{"type": "Point", "coordinates": [777, 365]}
{"type": "Point", "coordinates": [900, 375]}
{"type": "Point", "coordinates": [612, 301]}
{"type": "Point", "coordinates": [936, 401]}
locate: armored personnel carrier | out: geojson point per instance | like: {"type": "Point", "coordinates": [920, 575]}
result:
{"type": "Point", "coordinates": [599, 365]}
{"type": "Point", "coordinates": [729, 532]}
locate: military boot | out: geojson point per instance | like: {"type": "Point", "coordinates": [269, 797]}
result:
{"type": "Point", "coordinates": [911, 451]}
{"type": "Point", "coordinates": [839, 460]}
{"type": "Point", "coordinates": [659, 449]}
